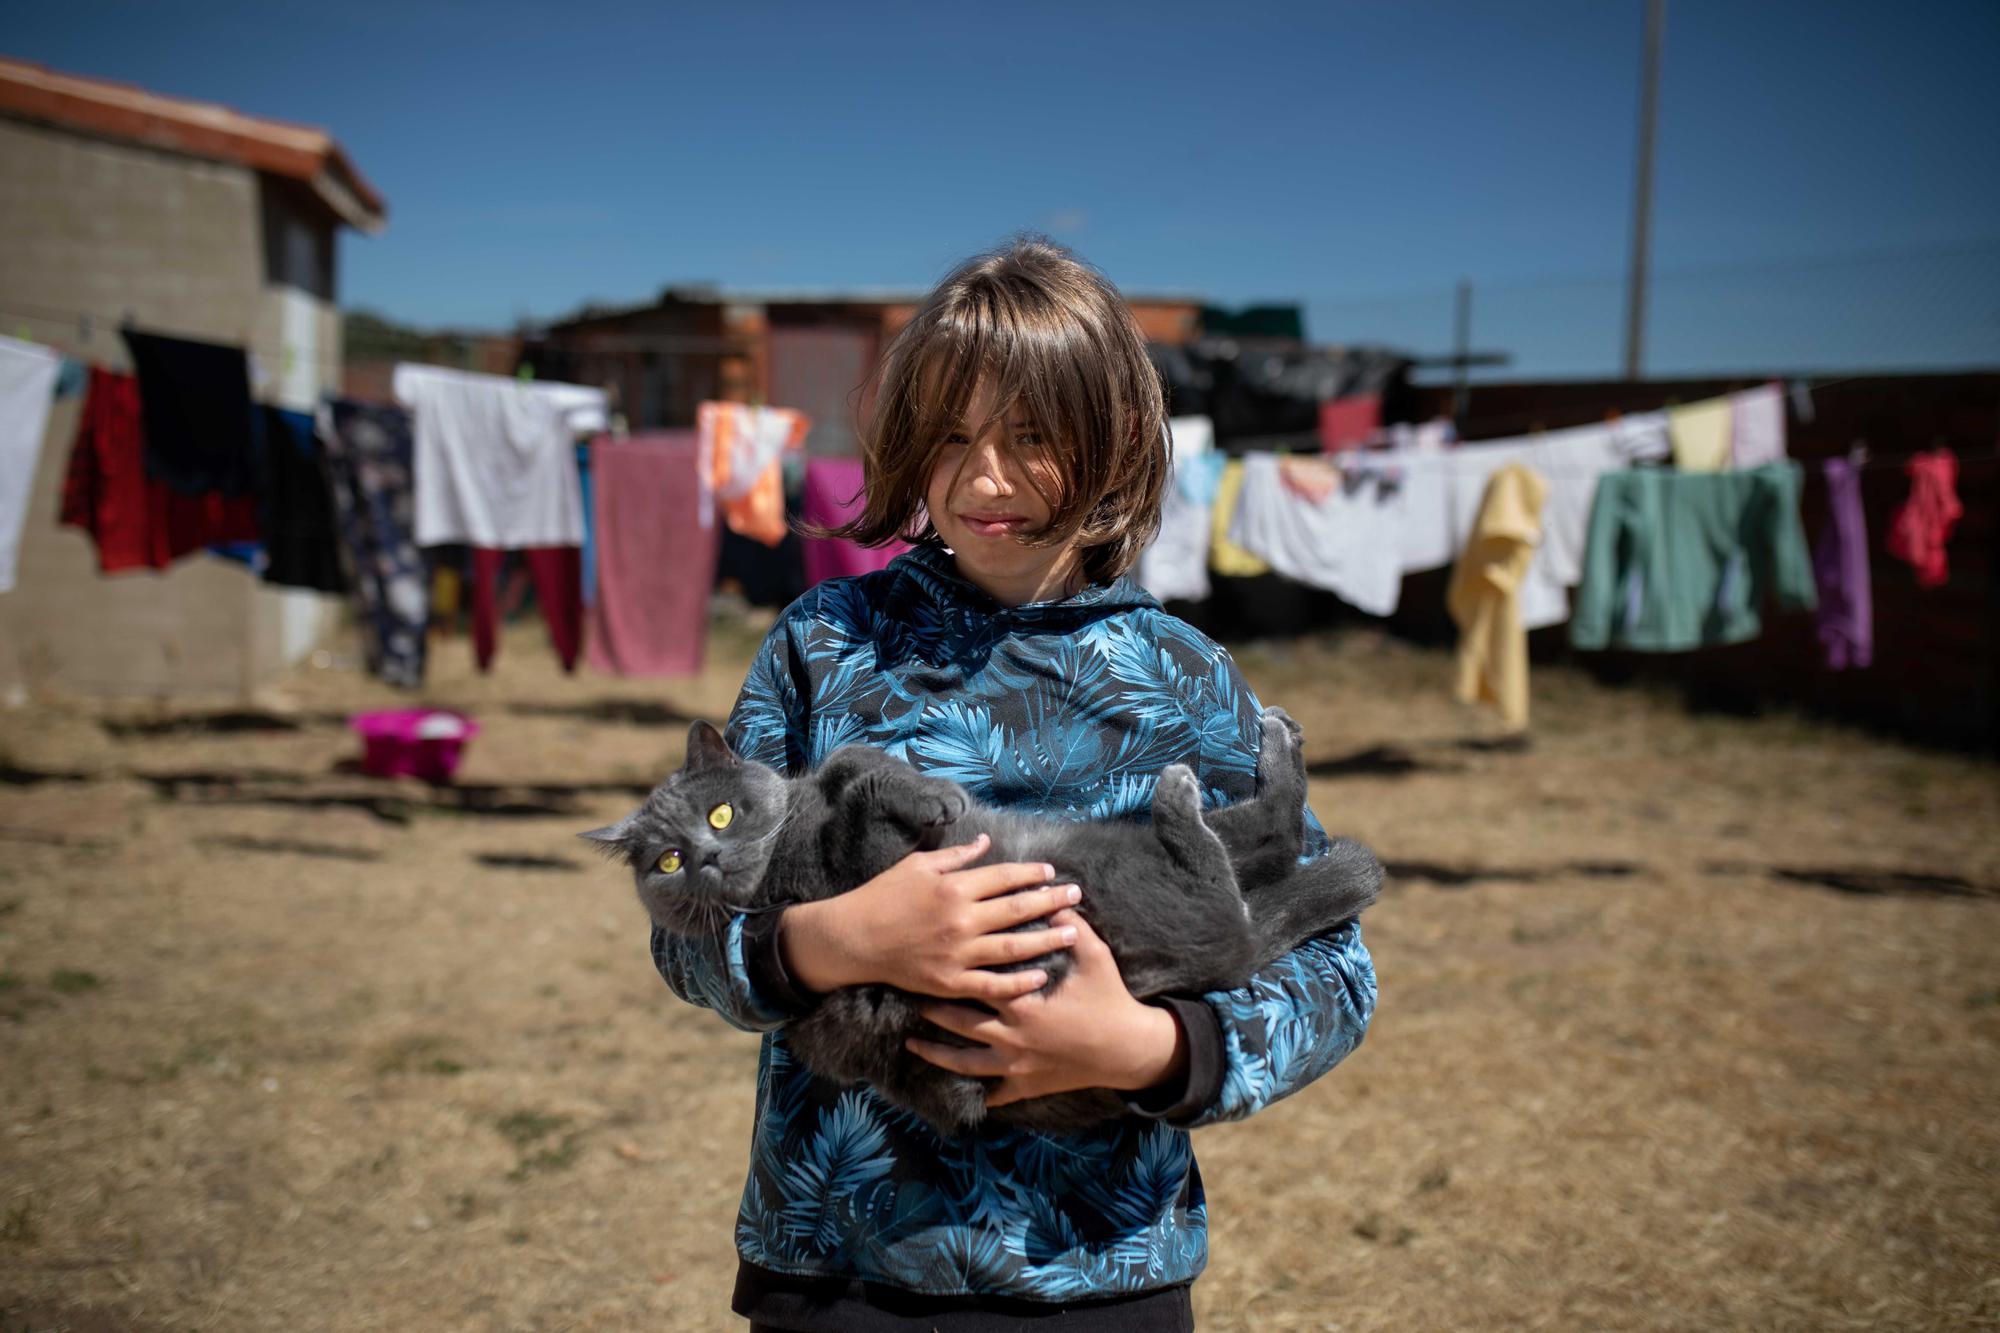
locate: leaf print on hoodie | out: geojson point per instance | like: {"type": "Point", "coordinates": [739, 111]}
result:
{"type": "Point", "coordinates": [1068, 708]}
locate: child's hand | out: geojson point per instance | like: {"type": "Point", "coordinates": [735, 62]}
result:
{"type": "Point", "coordinates": [930, 926]}
{"type": "Point", "coordinates": [1090, 1033]}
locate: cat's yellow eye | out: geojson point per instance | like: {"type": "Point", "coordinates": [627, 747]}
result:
{"type": "Point", "coordinates": [721, 815]}
{"type": "Point", "coordinates": [670, 860]}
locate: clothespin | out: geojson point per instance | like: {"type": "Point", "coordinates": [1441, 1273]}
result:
{"type": "Point", "coordinates": [524, 372]}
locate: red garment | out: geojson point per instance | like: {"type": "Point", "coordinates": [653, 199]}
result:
{"type": "Point", "coordinates": [655, 555]}
{"type": "Point", "coordinates": [1349, 423]}
{"type": "Point", "coordinates": [558, 575]}
{"type": "Point", "coordinates": [1923, 525]}
{"type": "Point", "coordinates": [138, 523]}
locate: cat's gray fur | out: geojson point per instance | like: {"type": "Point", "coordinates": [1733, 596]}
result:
{"type": "Point", "coordinates": [1189, 903]}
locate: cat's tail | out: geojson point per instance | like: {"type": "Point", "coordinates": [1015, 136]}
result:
{"type": "Point", "coordinates": [1319, 896]}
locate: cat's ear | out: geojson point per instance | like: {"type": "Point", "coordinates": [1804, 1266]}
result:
{"type": "Point", "coordinates": [611, 838]}
{"type": "Point", "coordinates": [707, 749]}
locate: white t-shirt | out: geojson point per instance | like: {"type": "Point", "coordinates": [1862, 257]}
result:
{"type": "Point", "coordinates": [494, 462]}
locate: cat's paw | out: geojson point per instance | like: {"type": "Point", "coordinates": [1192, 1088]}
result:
{"type": "Point", "coordinates": [942, 804]}
{"type": "Point", "coordinates": [1179, 790]}
{"type": "Point", "coordinates": [1281, 731]}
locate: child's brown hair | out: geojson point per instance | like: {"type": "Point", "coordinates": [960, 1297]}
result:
{"type": "Point", "coordinates": [1059, 342]}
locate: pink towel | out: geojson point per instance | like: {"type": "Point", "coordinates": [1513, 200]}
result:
{"type": "Point", "coordinates": [832, 496]}
{"type": "Point", "coordinates": [655, 555]}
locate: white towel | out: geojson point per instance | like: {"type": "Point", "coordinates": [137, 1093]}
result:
{"type": "Point", "coordinates": [494, 458]}
{"type": "Point", "coordinates": [27, 380]}
{"type": "Point", "coordinates": [1757, 426]}
{"type": "Point", "coordinates": [1346, 543]}
{"type": "Point", "coordinates": [1175, 563]}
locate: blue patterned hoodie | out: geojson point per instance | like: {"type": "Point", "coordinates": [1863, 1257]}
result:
{"type": "Point", "coordinates": [1068, 708]}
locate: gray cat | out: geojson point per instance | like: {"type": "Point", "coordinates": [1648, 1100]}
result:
{"type": "Point", "coordinates": [1189, 903]}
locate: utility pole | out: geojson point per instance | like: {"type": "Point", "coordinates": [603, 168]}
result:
{"type": "Point", "coordinates": [1642, 209]}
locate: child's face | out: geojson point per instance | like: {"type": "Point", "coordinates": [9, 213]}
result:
{"type": "Point", "coordinates": [985, 493]}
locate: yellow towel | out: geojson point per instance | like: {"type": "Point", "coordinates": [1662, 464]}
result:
{"type": "Point", "coordinates": [1224, 556]}
{"type": "Point", "coordinates": [1485, 593]}
{"type": "Point", "coordinates": [1700, 433]}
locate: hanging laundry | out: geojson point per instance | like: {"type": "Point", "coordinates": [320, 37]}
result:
{"type": "Point", "coordinates": [202, 430]}
{"type": "Point", "coordinates": [656, 551]}
{"type": "Point", "coordinates": [1225, 557]}
{"type": "Point", "coordinates": [1344, 543]}
{"type": "Point", "coordinates": [1311, 479]}
{"type": "Point", "coordinates": [28, 375]}
{"type": "Point", "coordinates": [1423, 436]}
{"type": "Point", "coordinates": [583, 483]}
{"type": "Point", "coordinates": [558, 579]}
{"type": "Point", "coordinates": [742, 446]}
{"type": "Point", "coordinates": [138, 522]}
{"type": "Point", "coordinates": [495, 461]}
{"type": "Point", "coordinates": [1174, 565]}
{"type": "Point", "coordinates": [73, 379]}
{"type": "Point", "coordinates": [1701, 435]}
{"type": "Point", "coordinates": [369, 453]}
{"type": "Point", "coordinates": [1192, 438]}
{"type": "Point", "coordinates": [1441, 493]}
{"type": "Point", "coordinates": [1485, 594]}
{"type": "Point", "coordinates": [1757, 426]}
{"type": "Point", "coordinates": [250, 555]}
{"type": "Point", "coordinates": [1679, 560]}
{"type": "Point", "coordinates": [1350, 422]}
{"type": "Point", "coordinates": [1923, 525]}
{"type": "Point", "coordinates": [1572, 463]}
{"type": "Point", "coordinates": [295, 507]}
{"type": "Point", "coordinates": [1840, 572]}
{"type": "Point", "coordinates": [831, 496]}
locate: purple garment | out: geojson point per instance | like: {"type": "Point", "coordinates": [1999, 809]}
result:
{"type": "Point", "coordinates": [832, 496]}
{"type": "Point", "coordinates": [1840, 567]}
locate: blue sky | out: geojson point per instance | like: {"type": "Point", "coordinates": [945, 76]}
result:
{"type": "Point", "coordinates": [1826, 195]}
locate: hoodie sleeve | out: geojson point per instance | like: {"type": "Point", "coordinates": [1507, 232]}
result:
{"type": "Point", "coordinates": [1300, 1015]}
{"type": "Point", "coordinates": [739, 973]}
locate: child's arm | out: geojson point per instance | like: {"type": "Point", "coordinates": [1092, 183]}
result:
{"type": "Point", "coordinates": [926, 924]}
{"type": "Point", "coordinates": [1190, 1060]}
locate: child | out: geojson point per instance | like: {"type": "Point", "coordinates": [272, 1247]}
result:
{"type": "Point", "coordinates": [1018, 438]}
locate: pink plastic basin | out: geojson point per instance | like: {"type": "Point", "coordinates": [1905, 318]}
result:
{"type": "Point", "coordinates": [422, 743]}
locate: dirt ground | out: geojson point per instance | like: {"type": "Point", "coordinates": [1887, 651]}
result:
{"type": "Point", "coordinates": [1685, 1023]}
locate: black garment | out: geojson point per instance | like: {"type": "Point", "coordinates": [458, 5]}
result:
{"type": "Point", "coordinates": [776, 1301]}
{"type": "Point", "coordinates": [202, 431]}
{"type": "Point", "coordinates": [295, 506]}
{"type": "Point", "coordinates": [1265, 394]}
{"type": "Point", "coordinates": [768, 575]}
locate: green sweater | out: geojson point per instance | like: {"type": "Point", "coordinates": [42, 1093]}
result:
{"type": "Point", "coordinates": [1679, 560]}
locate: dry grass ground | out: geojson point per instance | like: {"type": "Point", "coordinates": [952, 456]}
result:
{"type": "Point", "coordinates": [1685, 1023]}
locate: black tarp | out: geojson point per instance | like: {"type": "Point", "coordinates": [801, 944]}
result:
{"type": "Point", "coordinates": [1266, 394]}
